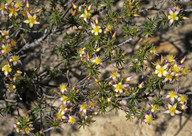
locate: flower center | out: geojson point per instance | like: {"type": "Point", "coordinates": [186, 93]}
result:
{"type": "Point", "coordinates": [97, 60]}
{"type": "Point", "coordinates": [172, 110]}
{"type": "Point", "coordinates": [119, 87]}
{"type": "Point", "coordinates": [84, 107]}
{"type": "Point", "coordinates": [32, 20]}
{"type": "Point", "coordinates": [96, 29]}
{"type": "Point", "coordinates": [6, 68]}
{"type": "Point", "coordinates": [183, 98]}
{"type": "Point", "coordinates": [11, 87]}
{"type": "Point", "coordinates": [15, 59]}
{"type": "Point", "coordinates": [172, 94]}
{"type": "Point", "coordinates": [169, 76]}
{"type": "Point", "coordinates": [13, 11]}
{"type": "Point", "coordinates": [9, 1]}
{"type": "Point", "coordinates": [114, 75]}
{"type": "Point", "coordinates": [18, 4]}
{"type": "Point", "coordinates": [64, 97]}
{"type": "Point", "coordinates": [62, 87]}
{"type": "Point", "coordinates": [2, 7]}
{"type": "Point", "coordinates": [81, 51]}
{"type": "Point", "coordinates": [109, 27]}
{"type": "Point", "coordinates": [173, 16]}
{"type": "Point", "coordinates": [27, 130]}
{"type": "Point", "coordinates": [148, 119]}
{"type": "Point", "coordinates": [63, 108]}
{"type": "Point", "coordinates": [86, 15]}
{"type": "Point", "coordinates": [175, 68]}
{"type": "Point", "coordinates": [160, 70]}
{"type": "Point", "coordinates": [6, 49]}
{"type": "Point", "coordinates": [154, 108]}
{"type": "Point", "coordinates": [72, 120]}
{"type": "Point", "coordinates": [59, 115]}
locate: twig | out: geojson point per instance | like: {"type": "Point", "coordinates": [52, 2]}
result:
{"type": "Point", "coordinates": [49, 129]}
{"type": "Point", "coordinates": [188, 10]}
{"type": "Point", "coordinates": [69, 81]}
{"type": "Point", "coordinates": [35, 43]}
{"type": "Point", "coordinates": [8, 100]}
{"type": "Point", "coordinates": [128, 40]}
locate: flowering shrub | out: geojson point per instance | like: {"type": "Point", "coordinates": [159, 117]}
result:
{"type": "Point", "coordinates": [27, 24]}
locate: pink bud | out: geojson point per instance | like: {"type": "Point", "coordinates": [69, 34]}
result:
{"type": "Point", "coordinates": [89, 8]}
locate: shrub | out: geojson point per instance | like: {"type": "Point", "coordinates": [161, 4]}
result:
{"type": "Point", "coordinates": [39, 105]}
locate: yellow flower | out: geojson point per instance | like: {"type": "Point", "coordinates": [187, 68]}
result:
{"type": "Point", "coordinates": [31, 20]}
{"type": "Point", "coordinates": [17, 127]}
{"type": "Point", "coordinates": [2, 8]}
{"type": "Point", "coordinates": [173, 16]}
{"type": "Point", "coordinates": [172, 95]}
{"type": "Point", "coordinates": [153, 50]}
{"type": "Point", "coordinates": [154, 108]}
{"type": "Point", "coordinates": [14, 59]}
{"type": "Point", "coordinates": [118, 87]}
{"type": "Point", "coordinates": [183, 98]}
{"type": "Point", "coordinates": [168, 77]}
{"type": "Point", "coordinates": [170, 58]}
{"type": "Point", "coordinates": [158, 62]}
{"type": "Point", "coordinates": [184, 71]}
{"type": "Point", "coordinates": [6, 49]}
{"type": "Point", "coordinates": [59, 116]}
{"type": "Point", "coordinates": [183, 107]}
{"type": "Point", "coordinates": [6, 69]}
{"type": "Point", "coordinates": [27, 130]}
{"type": "Point", "coordinates": [5, 33]}
{"type": "Point", "coordinates": [12, 12]}
{"type": "Point", "coordinates": [161, 70]}
{"type": "Point", "coordinates": [10, 87]}
{"type": "Point", "coordinates": [72, 119]}
{"type": "Point", "coordinates": [148, 119]}
{"type": "Point", "coordinates": [91, 104]}
{"type": "Point", "coordinates": [81, 51]}
{"type": "Point", "coordinates": [9, 1]}
{"type": "Point", "coordinates": [176, 7]}
{"type": "Point", "coordinates": [63, 88]}
{"type": "Point", "coordinates": [62, 109]}
{"type": "Point", "coordinates": [96, 29]}
{"type": "Point", "coordinates": [172, 109]}
{"type": "Point", "coordinates": [108, 28]}
{"type": "Point", "coordinates": [97, 60]}
{"type": "Point", "coordinates": [63, 98]}
{"type": "Point", "coordinates": [175, 68]}
{"type": "Point", "coordinates": [12, 42]}
{"type": "Point", "coordinates": [83, 109]}
{"type": "Point", "coordinates": [18, 4]}
{"type": "Point", "coordinates": [85, 15]}
{"type": "Point", "coordinates": [17, 77]}
{"type": "Point", "coordinates": [114, 75]}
